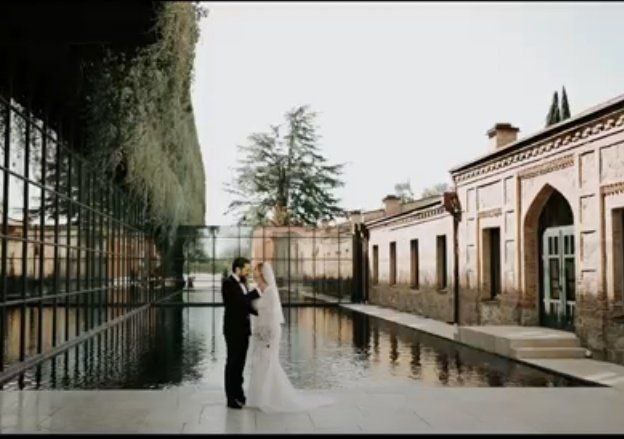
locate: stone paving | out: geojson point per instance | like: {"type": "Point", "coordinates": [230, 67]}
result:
{"type": "Point", "coordinates": [387, 409]}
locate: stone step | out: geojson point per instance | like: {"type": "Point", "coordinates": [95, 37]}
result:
{"type": "Point", "coordinates": [548, 352]}
{"type": "Point", "coordinates": [545, 342]}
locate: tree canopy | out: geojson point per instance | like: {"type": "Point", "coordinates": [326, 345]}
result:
{"type": "Point", "coordinates": [437, 189]}
{"type": "Point", "coordinates": [283, 178]}
{"type": "Point", "coordinates": [404, 191]}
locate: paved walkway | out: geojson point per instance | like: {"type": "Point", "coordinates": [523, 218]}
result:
{"type": "Point", "coordinates": [388, 409]}
{"type": "Point", "coordinates": [431, 326]}
{"type": "Point", "coordinates": [602, 372]}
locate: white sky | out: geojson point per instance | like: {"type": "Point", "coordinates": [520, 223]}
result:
{"type": "Point", "coordinates": [404, 91]}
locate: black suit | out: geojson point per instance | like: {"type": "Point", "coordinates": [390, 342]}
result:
{"type": "Point", "coordinates": [237, 329]}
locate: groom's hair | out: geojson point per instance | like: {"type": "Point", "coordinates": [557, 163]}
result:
{"type": "Point", "coordinates": [240, 263]}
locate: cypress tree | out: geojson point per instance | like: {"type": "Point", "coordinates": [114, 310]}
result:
{"type": "Point", "coordinates": [553, 114]}
{"type": "Point", "coordinates": [565, 108]}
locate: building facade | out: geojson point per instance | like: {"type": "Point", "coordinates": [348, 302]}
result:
{"type": "Point", "coordinates": [537, 239]}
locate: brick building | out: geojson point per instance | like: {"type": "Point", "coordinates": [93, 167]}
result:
{"type": "Point", "coordinates": [535, 236]}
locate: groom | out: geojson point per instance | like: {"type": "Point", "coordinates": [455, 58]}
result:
{"type": "Point", "coordinates": [237, 329]}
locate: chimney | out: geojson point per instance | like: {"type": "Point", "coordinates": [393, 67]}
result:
{"type": "Point", "coordinates": [355, 216]}
{"type": "Point", "coordinates": [501, 135]}
{"type": "Point", "coordinates": [392, 204]}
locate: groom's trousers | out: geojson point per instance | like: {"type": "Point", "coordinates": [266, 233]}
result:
{"type": "Point", "coordinates": [237, 346]}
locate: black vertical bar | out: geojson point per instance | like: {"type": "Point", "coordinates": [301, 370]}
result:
{"type": "Point", "coordinates": [5, 218]}
{"type": "Point", "coordinates": [22, 348]}
{"type": "Point", "coordinates": [131, 254]}
{"type": "Point", "coordinates": [101, 318]}
{"type": "Point", "coordinates": [354, 260]}
{"type": "Point", "coordinates": [94, 250]}
{"type": "Point", "coordinates": [100, 213]}
{"type": "Point", "coordinates": [57, 179]}
{"type": "Point", "coordinates": [339, 268]}
{"type": "Point", "coordinates": [289, 299]}
{"type": "Point", "coordinates": [44, 142]}
{"type": "Point", "coordinates": [118, 250]}
{"type": "Point", "coordinates": [263, 250]}
{"type": "Point", "coordinates": [68, 241]}
{"type": "Point", "coordinates": [92, 232]}
{"type": "Point", "coordinates": [148, 249]}
{"type": "Point", "coordinates": [135, 255]}
{"type": "Point", "coordinates": [138, 256]}
{"type": "Point", "coordinates": [455, 268]}
{"type": "Point", "coordinates": [138, 260]}
{"type": "Point", "coordinates": [124, 255]}
{"type": "Point", "coordinates": [93, 289]}
{"type": "Point", "coordinates": [79, 220]}
{"type": "Point", "coordinates": [113, 245]}
{"type": "Point", "coordinates": [214, 268]}
{"type": "Point", "coordinates": [314, 265]}
{"type": "Point", "coordinates": [124, 252]}
{"type": "Point", "coordinates": [107, 267]}
{"type": "Point", "coordinates": [87, 246]}
{"type": "Point", "coordinates": [186, 264]}
{"type": "Point", "coordinates": [324, 281]}
{"type": "Point", "coordinates": [142, 256]}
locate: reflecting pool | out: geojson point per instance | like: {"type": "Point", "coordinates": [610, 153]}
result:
{"type": "Point", "coordinates": [321, 348]}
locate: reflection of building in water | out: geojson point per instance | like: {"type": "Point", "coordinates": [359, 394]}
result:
{"type": "Point", "coordinates": [539, 237]}
{"type": "Point", "coordinates": [110, 257]}
{"type": "Point", "coordinates": [106, 356]}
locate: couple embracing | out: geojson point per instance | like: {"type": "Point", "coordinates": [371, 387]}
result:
{"type": "Point", "coordinates": [269, 388]}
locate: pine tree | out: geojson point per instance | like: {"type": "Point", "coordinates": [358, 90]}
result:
{"type": "Point", "coordinates": [565, 108]}
{"type": "Point", "coordinates": [285, 178]}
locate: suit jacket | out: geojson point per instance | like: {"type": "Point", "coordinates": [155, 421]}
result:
{"type": "Point", "coordinates": [236, 320]}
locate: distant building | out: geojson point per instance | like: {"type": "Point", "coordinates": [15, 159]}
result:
{"type": "Point", "coordinates": [540, 235]}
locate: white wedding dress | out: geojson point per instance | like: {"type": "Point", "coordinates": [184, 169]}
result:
{"type": "Point", "coordinates": [270, 390]}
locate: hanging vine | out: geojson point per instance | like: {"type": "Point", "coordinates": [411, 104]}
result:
{"type": "Point", "coordinates": [140, 122]}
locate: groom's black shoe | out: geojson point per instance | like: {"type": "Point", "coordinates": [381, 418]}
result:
{"type": "Point", "coordinates": [234, 404]}
{"type": "Point", "coordinates": [242, 400]}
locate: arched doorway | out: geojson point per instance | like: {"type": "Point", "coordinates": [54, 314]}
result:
{"type": "Point", "coordinates": [551, 258]}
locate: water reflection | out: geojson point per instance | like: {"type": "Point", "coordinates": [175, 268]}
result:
{"type": "Point", "coordinates": [321, 348]}
{"type": "Point", "coordinates": [63, 320]}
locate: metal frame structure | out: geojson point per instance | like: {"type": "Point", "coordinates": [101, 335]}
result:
{"type": "Point", "coordinates": [300, 257]}
{"type": "Point", "coordinates": [75, 256]}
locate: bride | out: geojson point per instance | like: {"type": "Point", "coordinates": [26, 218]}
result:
{"type": "Point", "coordinates": [270, 389]}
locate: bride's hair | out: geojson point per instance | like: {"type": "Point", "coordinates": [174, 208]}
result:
{"type": "Point", "coordinates": [259, 267]}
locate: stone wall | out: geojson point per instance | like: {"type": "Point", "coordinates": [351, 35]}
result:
{"type": "Point", "coordinates": [506, 309]}
{"type": "Point", "coordinates": [614, 330]}
{"type": "Point", "coordinates": [426, 301]}
{"type": "Point", "coordinates": [588, 324]}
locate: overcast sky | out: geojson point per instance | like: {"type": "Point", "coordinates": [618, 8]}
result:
{"type": "Point", "coordinates": [403, 91]}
